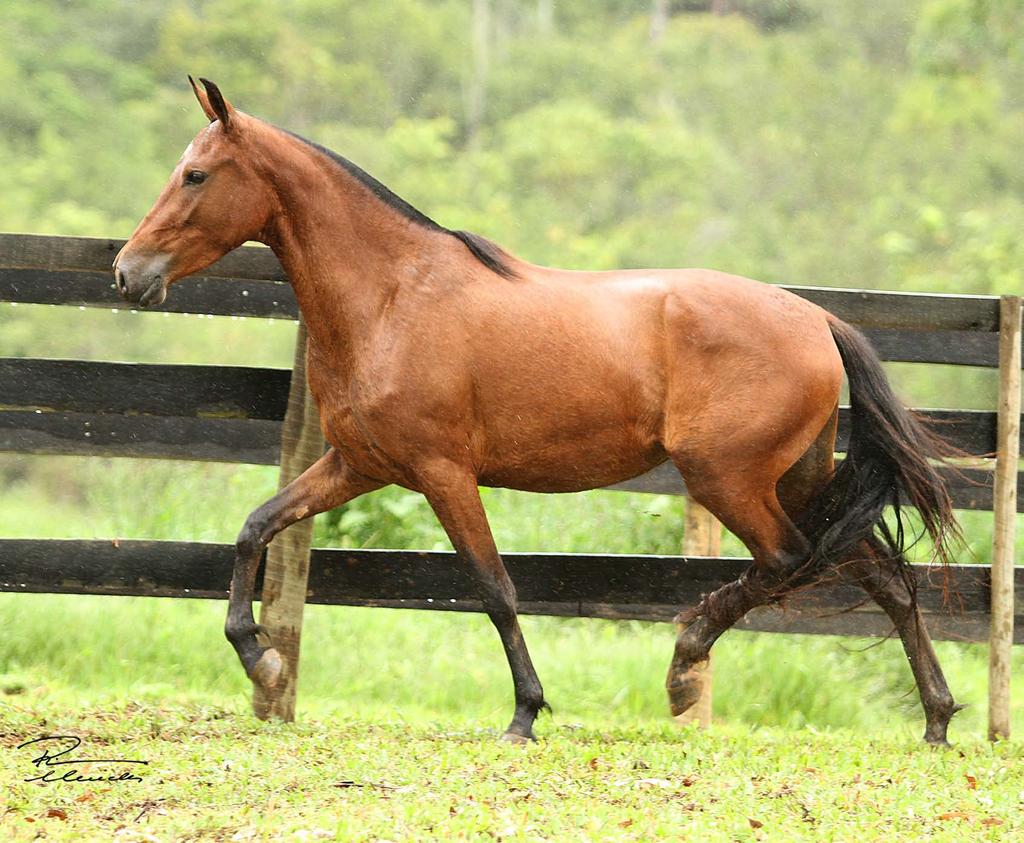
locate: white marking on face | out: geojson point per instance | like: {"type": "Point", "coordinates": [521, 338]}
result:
{"type": "Point", "coordinates": [188, 149]}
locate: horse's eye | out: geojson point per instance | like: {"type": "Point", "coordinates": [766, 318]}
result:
{"type": "Point", "coordinates": [195, 177]}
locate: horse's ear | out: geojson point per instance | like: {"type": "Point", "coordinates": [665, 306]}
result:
{"type": "Point", "coordinates": [213, 102]}
{"type": "Point", "coordinates": [204, 101]}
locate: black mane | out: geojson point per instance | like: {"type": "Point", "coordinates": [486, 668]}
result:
{"type": "Point", "coordinates": [489, 254]}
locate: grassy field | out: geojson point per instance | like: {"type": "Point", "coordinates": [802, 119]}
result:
{"type": "Point", "coordinates": [438, 666]}
{"type": "Point", "coordinates": [213, 773]}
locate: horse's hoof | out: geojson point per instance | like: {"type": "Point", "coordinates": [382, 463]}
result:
{"type": "Point", "coordinates": [516, 738]}
{"type": "Point", "coordinates": [683, 692]}
{"type": "Point", "coordinates": [267, 671]}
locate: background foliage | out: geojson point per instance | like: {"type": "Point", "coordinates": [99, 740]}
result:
{"type": "Point", "coordinates": [856, 143]}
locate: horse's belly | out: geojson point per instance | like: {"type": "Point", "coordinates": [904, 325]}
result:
{"type": "Point", "coordinates": [558, 466]}
{"type": "Point", "coordinates": [572, 422]}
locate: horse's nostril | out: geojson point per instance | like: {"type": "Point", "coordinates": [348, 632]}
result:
{"type": "Point", "coordinates": [119, 278]}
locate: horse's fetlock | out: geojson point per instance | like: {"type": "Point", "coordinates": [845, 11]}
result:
{"type": "Point", "coordinates": [945, 707]}
{"type": "Point", "coordinates": [532, 699]}
{"type": "Point", "coordinates": [237, 631]}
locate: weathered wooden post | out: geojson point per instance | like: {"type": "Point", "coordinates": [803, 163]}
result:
{"type": "Point", "coordinates": [287, 566]}
{"type": "Point", "coordinates": [703, 537]}
{"type": "Point", "coordinates": [1004, 507]}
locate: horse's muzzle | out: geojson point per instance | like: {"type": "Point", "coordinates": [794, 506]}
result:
{"type": "Point", "coordinates": [140, 288]}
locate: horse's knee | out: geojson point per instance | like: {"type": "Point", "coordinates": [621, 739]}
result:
{"type": "Point", "coordinates": [498, 598]}
{"type": "Point", "coordinates": [250, 540]}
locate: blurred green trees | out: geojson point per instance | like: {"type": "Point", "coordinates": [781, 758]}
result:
{"type": "Point", "coordinates": [864, 144]}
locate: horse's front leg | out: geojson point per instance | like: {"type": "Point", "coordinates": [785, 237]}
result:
{"type": "Point", "coordinates": [328, 483]}
{"type": "Point", "coordinates": [455, 498]}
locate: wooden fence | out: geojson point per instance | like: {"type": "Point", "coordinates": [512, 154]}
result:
{"type": "Point", "coordinates": [237, 414]}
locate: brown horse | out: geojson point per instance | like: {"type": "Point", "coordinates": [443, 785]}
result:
{"type": "Point", "coordinates": [440, 362]}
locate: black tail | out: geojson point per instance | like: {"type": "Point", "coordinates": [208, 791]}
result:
{"type": "Point", "coordinates": [887, 463]}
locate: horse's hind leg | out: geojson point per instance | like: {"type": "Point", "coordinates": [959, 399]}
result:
{"type": "Point", "coordinates": [324, 485]}
{"type": "Point", "coordinates": [882, 578]}
{"type": "Point", "coordinates": [751, 511]}
{"type": "Point", "coordinates": [761, 582]}
{"type": "Point", "coordinates": [876, 573]}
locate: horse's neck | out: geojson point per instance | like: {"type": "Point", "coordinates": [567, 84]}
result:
{"type": "Point", "coordinates": [346, 254]}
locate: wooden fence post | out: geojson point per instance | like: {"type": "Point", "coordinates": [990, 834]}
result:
{"type": "Point", "coordinates": [703, 537]}
{"type": "Point", "coordinates": [287, 566]}
{"type": "Point", "coordinates": [1004, 536]}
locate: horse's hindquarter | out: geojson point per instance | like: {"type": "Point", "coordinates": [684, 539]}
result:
{"type": "Point", "coordinates": [754, 370]}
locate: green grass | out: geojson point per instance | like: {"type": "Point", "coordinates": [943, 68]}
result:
{"type": "Point", "coordinates": [215, 773]}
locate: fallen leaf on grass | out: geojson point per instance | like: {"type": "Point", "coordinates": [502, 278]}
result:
{"type": "Point", "coordinates": [972, 782]}
{"type": "Point", "coordinates": [57, 813]}
{"type": "Point", "coordinates": [755, 823]}
{"type": "Point", "coordinates": [88, 796]}
{"type": "Point", "coordinates": [625, 823]}
{"type": "Point", "coordinates": [954, 815]}
{"type": "Point", "coordinates": [991, 821]}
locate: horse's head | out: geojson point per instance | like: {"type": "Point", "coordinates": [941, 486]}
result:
{"type": "Point", "coordinates": [214, 201]}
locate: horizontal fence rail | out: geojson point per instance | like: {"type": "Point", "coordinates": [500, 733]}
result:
{"type": "Point", "coordinates": [156, 389]}
{"type": "Point", "coordinates": [76, 271]}
{"type": "Point", "coordinates": [617, 587]}
{"type": "Point", "coordinates": [233, 414]}
{"type": "Point", "coordinates": [242, 392]}
{"type": "Point", "coordinates": [257, 442]}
